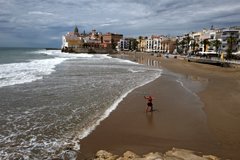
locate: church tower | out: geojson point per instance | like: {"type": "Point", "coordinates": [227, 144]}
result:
{"type": "Point", "coordinates": [76, 31]}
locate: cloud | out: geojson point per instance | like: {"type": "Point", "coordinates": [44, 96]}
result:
{"type": "Point", "coordinates": [46, 20]}
{"type": "Point", "coordinates": [40, 13]}
{"type": "Point", "coordinates": [54, 38]}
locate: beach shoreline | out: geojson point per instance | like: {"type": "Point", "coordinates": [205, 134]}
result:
{"type": "Point", "coordinates": [175, 123]}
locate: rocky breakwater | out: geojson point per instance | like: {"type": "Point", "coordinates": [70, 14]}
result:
{"type": "Point", "coordinates": [174, 154]}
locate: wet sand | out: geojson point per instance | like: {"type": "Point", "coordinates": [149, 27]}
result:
{"type": "Point", "coordinates": [206, 122]}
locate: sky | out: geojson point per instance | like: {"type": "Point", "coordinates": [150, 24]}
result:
{"type": "Point", "coordinates": [41, 23]}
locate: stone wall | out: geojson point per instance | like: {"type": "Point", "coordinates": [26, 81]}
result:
{"type": "Point", "coordinates": [89, 50]}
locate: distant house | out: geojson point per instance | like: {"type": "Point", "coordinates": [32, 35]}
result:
{"type": "Point", "coordinates": [72, 40]}
{"type": "Point", "coordinates": [123, 45]}
{"type": "Point", "coordinates": [161, 44]}
{"type": "Point", "coordinates": [110, 40]}
{"type": "Point", "coordinates": [211, 35]}
{"type": "Point", "coordinates": [142, 43]}
{"type": "Point", "coordinates": [228, 33]}
{"type": "Point", "coordinates": [154, 44]}
{"type": "Point", "coordinates": [168, 45]}
{"type": "Point", "coordinates": [127, 44]}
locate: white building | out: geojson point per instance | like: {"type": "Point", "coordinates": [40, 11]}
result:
{"type": "Point", "coordinates": [210, 35]}
{"type": "Point", "coordinates": [226, 34]}
{"type": "Point", "coordinates": [154, 44]}
{"type": "Point", "coordinates": [123, 45]}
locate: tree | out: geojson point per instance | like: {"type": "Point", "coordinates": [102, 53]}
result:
{"type": "Point", "coordinates": [136, 44]}
{"type": "Point", "coordinates": [205, 43]}
{"type": "Point", "coordinates": [177, 45]}
{"type": "Point", "coordinates": [187, 41]}
{"type": "Point", "coordinates": [182, 44]}
{"type": "Point", "coordinates": [194, 45]}
{"type": "Point", "coordinates": [133, 44]}
{"type": "Point", "coordinates": [113, 44]}
{"type": "Point", "coordinates": [231, 41]}
{"type": "Point", "coordinates": [140, 42]}
{"type": "Point", "coordinates": [217, 44]}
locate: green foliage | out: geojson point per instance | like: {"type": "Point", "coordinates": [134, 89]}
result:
{"type": "Point", "coordinates": [231, 41]}
{"type": "Point", "coordinates": [205, 43]}
{"type": "Point", "coordinates": [217, 44]}
{"type": "Point", "coordinates": [194, 45]}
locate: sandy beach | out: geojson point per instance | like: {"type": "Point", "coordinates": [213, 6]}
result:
{"type": "Point", "coordinates": [196, 107]}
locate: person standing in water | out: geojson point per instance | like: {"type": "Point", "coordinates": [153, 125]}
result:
{"type": "Point", "coordinates": [149, 103]}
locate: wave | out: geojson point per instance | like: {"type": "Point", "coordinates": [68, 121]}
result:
{"type": "Point", "coordinates": [19, 73]}
{"type": "Point", "coordinates": [187, 89]}
{"type": "Point", "coordinates": [128, 61]}
{"type": "Point", "coordinates": [25, 72]}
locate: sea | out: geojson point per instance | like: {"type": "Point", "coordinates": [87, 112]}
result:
{"type": "Point", "coordinates": [50, 100]}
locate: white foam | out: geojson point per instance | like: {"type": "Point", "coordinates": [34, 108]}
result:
{"type": "Point", "coordinates": [187, 89]}
{"type": "Point", "coordinates": [128, 61]}
{"type": "Point", "coordinates": [37, 69]}
{"type": "Point", "coordinates": [58, 53]}
{"type": "Point", "coordinates": [18, 73]}
{"type": "Point", "coordinates": [135, 71]}
{"type": "Point", "coordinates": [105, 56]}
{"type": "Point", "coordinates": [82, 55]}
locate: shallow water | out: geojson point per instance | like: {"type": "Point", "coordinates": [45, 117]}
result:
{"type": "Point", "coordinates": [48, 104]}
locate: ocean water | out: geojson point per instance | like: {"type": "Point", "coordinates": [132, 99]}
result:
{"type": "Point", "coordinates": [51, 100]}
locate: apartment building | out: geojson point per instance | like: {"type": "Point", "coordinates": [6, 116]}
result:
{"type": "Point", "coordinates": [142, 43]}
{"type": "Point", "coordinates": [227, 35]}
{"type": "Point", "coordinates": [127, 44]}
{"type": "Point", "coordinates": [110, 40]}
{"type": "Point", "coordinates": [153, 44]}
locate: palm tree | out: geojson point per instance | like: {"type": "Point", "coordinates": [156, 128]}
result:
{"type": "Point", "coordinates": [231, 41]}
{"type": "Point", "coordinates": [217, 44]}
{"type": "Point", "coordinates": [113, 44]}
{"type": "Point", "coordinates": [182, 43]}
{"type": "Point", "coordinates": [205, 43]}
{"type": "Point", "coordinates": [187, 41]}
{"type": "Point", "coordinates": [133, 44]}
{"type": "Point", "coordinates": [194, 45]}
{"type": "Point", "coordinates": [140, 43]}
{"type": "Point", "coordinates": [177, 45]}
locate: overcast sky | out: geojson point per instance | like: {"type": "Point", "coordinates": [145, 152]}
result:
{"type": "Point", "coordinates": [41, 23]}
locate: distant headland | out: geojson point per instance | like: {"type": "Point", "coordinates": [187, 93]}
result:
{"type": "Point", "coordinates": [93, 42]}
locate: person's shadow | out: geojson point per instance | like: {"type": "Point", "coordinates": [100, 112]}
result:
{"type": "Point", "coordinates": [149, 116]}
